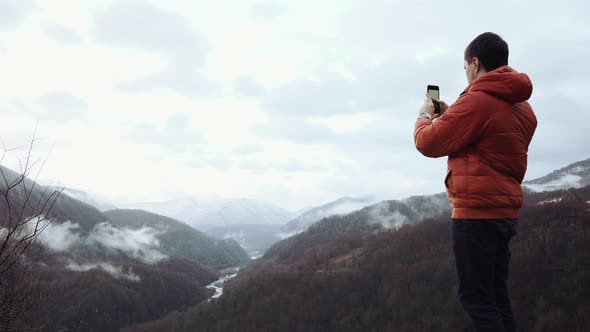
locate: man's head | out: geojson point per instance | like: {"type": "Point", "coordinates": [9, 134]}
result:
{"type": "Point", "coordinates": [485, 53]}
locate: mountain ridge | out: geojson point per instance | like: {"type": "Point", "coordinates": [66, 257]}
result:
{"type": "Point", "coordinates": [575, 175]}
{"type": "Point", "coordinates": [402, 279]}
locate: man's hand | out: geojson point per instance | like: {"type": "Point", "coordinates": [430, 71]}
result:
{"type": "Point", "coordinates": [428, 107]}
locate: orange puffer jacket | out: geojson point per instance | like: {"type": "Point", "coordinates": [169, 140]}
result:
{"type": "Point", "coordinates": [486, 134]}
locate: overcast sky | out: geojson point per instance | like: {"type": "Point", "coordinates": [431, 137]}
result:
{"type": "Point", "coordinates": [295, 103]}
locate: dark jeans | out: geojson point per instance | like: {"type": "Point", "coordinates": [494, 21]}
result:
{"type": "Point", "coordinates": [482, 256]}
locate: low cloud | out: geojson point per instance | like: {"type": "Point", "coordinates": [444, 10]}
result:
{"type": "Point", "coordinates": [141, 244]}
{"type": "Point", "coordinates": [380, 213]}
{"type": "Point", "coordinates": [351, 206]}
{"type": "Point", "coordinates": [60, 237]}
{"type": "Point", "coordinates": [115, 271]}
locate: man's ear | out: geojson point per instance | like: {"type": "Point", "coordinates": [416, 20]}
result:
{"type": "Point", "coordinates": [476, 65]}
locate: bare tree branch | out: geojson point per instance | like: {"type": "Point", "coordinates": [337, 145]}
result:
{"type": "Point", "coordinates": [25, 212]}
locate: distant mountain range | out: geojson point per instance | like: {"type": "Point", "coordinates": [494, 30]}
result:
{"type": "Point", "coordinates": [389, 267]}
{"type": "Point", "coordinates": [576, 175]}
{"type": "Point", "coordinates": [342, 205]}
{"type": "Point", "coordinates": [104, 262]}
{"type": "Point", "coordinates": [178, 206]}
{"type": "Point", "coordinates": [257, 237]}
{"type": "Point", "coordinates": [243, 212]}
{"type": "Point", "coordinates": [256, 225]}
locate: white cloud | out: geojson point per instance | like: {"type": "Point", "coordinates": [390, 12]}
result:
{"type": "Point", "coordinates": [246, 149]}
{"type": "Point", "coordinates": [138, 24]}
{"type": "Point", "coordinates": [176, 134]}
{"type": "Point", "coordinates": [323, 95]}
{"type": "Point", "coordinates": [60, 236]}
{"type": "Point", "coordinates": [63, 35]}
{"type": "Point", "coordinates": [115, 271]}
{"type": "Point", "coordinates": [346, 123]}
{"type": "Point", "coordinates": [180, 79]}
{"type": "Point", "coordinates": [13, 12]}
{"type": "Point", "coordinates": [268, 10]}
{"type": "Point", "coordinates": [249, 87]}
{"type": "Point", "coordinates": [140, 243]}
{"type": "Point", "coordinates": [381, 214]}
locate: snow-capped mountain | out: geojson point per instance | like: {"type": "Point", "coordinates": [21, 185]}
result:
{"type": "Point", "coordinates": [256, 225]}
{"type": "Point", "coordinates": [178, 206]}
{"type": "Point", "coordinates": [343, 205]}
{"type": "Point", "coordinates": [395, 213]}
{"type": "Point", "coordinates": [576, 175]}
{"type": "Point", "coordinates": [243, 211]}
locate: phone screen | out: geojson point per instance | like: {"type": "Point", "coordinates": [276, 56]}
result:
{"type": "Point", "coordinates": [433, 92]}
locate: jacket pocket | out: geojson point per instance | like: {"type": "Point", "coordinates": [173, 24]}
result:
{"type": "Point", "coordinates": [449, 182]}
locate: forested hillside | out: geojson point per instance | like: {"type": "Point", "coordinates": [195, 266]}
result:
{"type": "Point", "coordinates": [347, 275]}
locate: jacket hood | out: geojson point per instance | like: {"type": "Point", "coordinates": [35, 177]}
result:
{"type": "Point", "coordinates": [505, 83]}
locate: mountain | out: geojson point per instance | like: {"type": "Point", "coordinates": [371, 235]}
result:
{"type": "Point", "coordinates": [178, 206]}
{"type": "Point", "coordinates": [256, 239]}
{"type": "Point", "coordinates": [102, 271]}
{"type": "Point", "coordinates": [218, 213]}
{"type": "Point", "coordinates": [110, 294]}
{"type": "Point", "coordinates": [390, 214]}
{"type": "Point", "coordinates": [351, 273]}
{"type": "Point", "coordinates": [66, 208]}
{"type": "Point", "coordinates": [98, 201]}
{"type": "Point", "coordinates": [341, 206]}
{"type": "Point", "coordinates": [255, 225]}
{"type": "Point", "coordinates": [81, 230]}
{"type": "Point", "coordinates": [576, 175]}
{"type": "Point", "coordinates": [178, 239]}
{"type": "Point", "coordinates": [243, 212]}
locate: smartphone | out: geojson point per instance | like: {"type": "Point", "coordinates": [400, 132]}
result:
{"type": "Point", "coordinates": [434, 93]}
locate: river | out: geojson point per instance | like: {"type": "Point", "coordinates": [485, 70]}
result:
{"type": "Point", "coordinates": [225, 275]}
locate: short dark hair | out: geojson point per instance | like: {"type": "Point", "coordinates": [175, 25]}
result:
{"type": "Point", "coordinates": [490, 49]}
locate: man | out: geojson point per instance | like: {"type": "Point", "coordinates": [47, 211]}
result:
{"type": "Point", "coordinates": [485, 134]}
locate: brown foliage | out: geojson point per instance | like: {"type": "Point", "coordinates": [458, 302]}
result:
{"type": "Point", "coordinates": [404, 280]}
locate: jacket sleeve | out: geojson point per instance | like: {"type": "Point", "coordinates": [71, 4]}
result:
{"type": "Point", "coordinates": [461, 125]}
